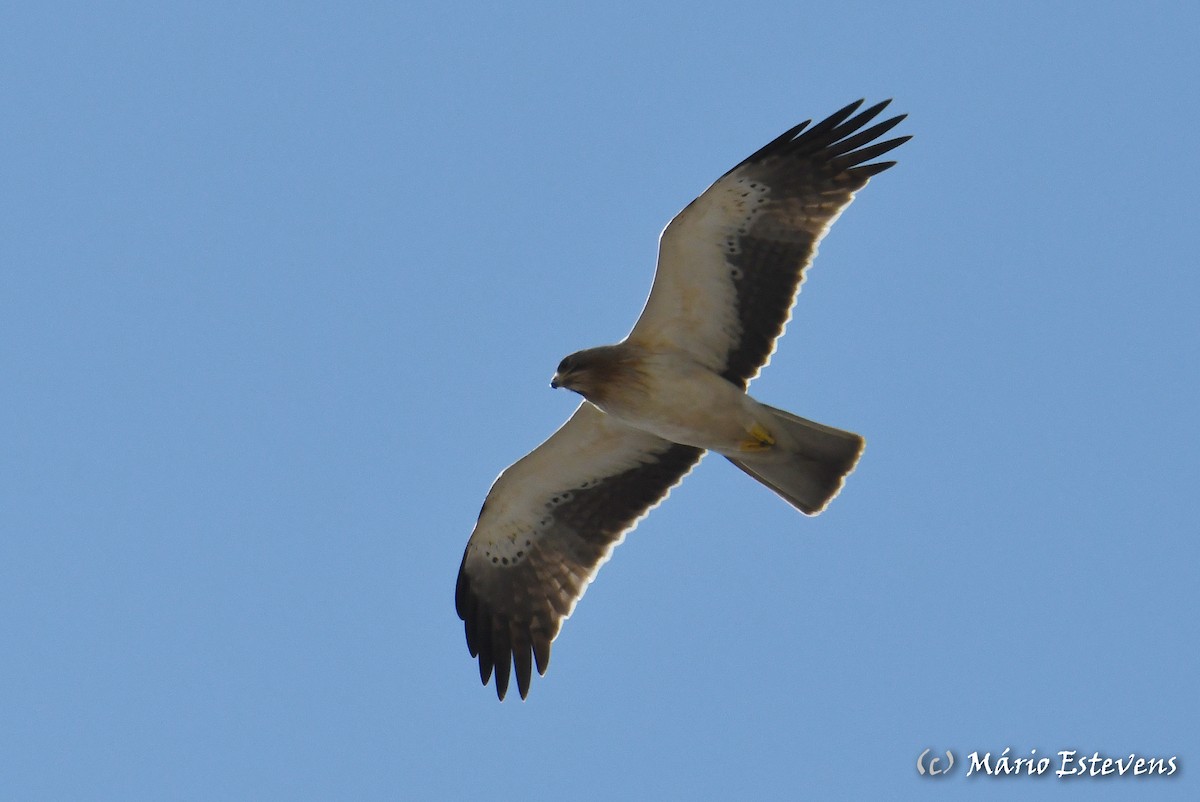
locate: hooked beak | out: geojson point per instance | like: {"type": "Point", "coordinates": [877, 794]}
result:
{"type": "Point", "coordinates": [557, 381]}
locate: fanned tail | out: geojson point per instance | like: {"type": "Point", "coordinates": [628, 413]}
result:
{"type": "Point", "coordinates": [812, 473]}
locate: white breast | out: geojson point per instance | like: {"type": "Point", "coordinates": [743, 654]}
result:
{"type": "Point", "coordinates": [684, 402]}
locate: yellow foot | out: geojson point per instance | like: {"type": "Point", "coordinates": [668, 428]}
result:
{"type": "Point", "coordinates": [760, 439]}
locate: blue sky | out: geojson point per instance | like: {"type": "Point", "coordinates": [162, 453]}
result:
{"type": "Point", "coordinates": [281, 290]}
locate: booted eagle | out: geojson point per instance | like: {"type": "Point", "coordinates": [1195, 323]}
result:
{"type": "Point", "coordinates": [729, 268]}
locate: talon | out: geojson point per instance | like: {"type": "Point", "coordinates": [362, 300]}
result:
{"type": "Point", "coordinates": [760, 439]}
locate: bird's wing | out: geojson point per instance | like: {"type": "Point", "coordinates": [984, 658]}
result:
{"type": "Point", "coordinates": [549, 522]}
{"type": "Point", "coordinates": [731, 263]}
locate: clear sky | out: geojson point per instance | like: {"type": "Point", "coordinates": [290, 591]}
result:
{"type": "Point", "coordinates": [282, 286]}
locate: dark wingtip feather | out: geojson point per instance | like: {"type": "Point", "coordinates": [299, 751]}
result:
{"type": "Point", "coordinates": [777, 144]}
{"type": "Point", "coordinates": [462, 588]}
{"type": "Point", "coordinates": [833, 120]}
{"type": "Point", "coordinates": [472, 647]}
{"type": "Point", "coordinates": [468, 611]}
{"type": "Point", "coordinates": [863, 137]}
{"type": "Point", "coordinates": [480, 639]}
{"type": "Point", "coordinates": [485, 669]}
{"type": "Point", "coordinates": [541, 652]}
{"type": "Point", "coordinates": [868, 170]}
{"type": "Point", "coordinates": [501, 658]}
{"type": "Point", "coordinates": [866, 154]}
{"type": "Point", "coordinates": [862, 118]}
{"type": "Point", "coordinates": [844, 112]}
{"type": "Point", "coordinates": [868, 114]}
{"type": "Point", "coordinates": [524, 667]}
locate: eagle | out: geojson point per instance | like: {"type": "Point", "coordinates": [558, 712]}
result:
{"type": "Point", "coordinates": [729, 268]}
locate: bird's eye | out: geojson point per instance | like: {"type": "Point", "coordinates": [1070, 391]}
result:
{"type": "Point", "coordinates": [565, 365]}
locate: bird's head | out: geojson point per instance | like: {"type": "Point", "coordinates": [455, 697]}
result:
{"type": "Point", "coordinates": [572, 372]}
{"type": "Point", "coordinates": [590, 371]}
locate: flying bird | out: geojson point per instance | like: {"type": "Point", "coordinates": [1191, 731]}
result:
{"type": "Point", "coordinates": [729, 268]}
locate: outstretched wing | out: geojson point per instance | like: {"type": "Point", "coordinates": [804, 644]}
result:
{"type": "Point", "coordinates": [731, 263]}
{"type": "Point", "coordinates": [548, 524]}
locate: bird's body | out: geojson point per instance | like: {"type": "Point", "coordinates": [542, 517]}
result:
{"type": "Point", "coordinates": [730, 265]}
{"type": "Point", "coordinates": [671, 395]}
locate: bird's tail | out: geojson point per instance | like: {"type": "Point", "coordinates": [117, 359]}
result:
{"type": "Point", "coordinates": [810, 472]}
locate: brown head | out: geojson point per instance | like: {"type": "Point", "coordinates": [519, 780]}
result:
{"type": "Point", "coordinates": [594, 372]}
